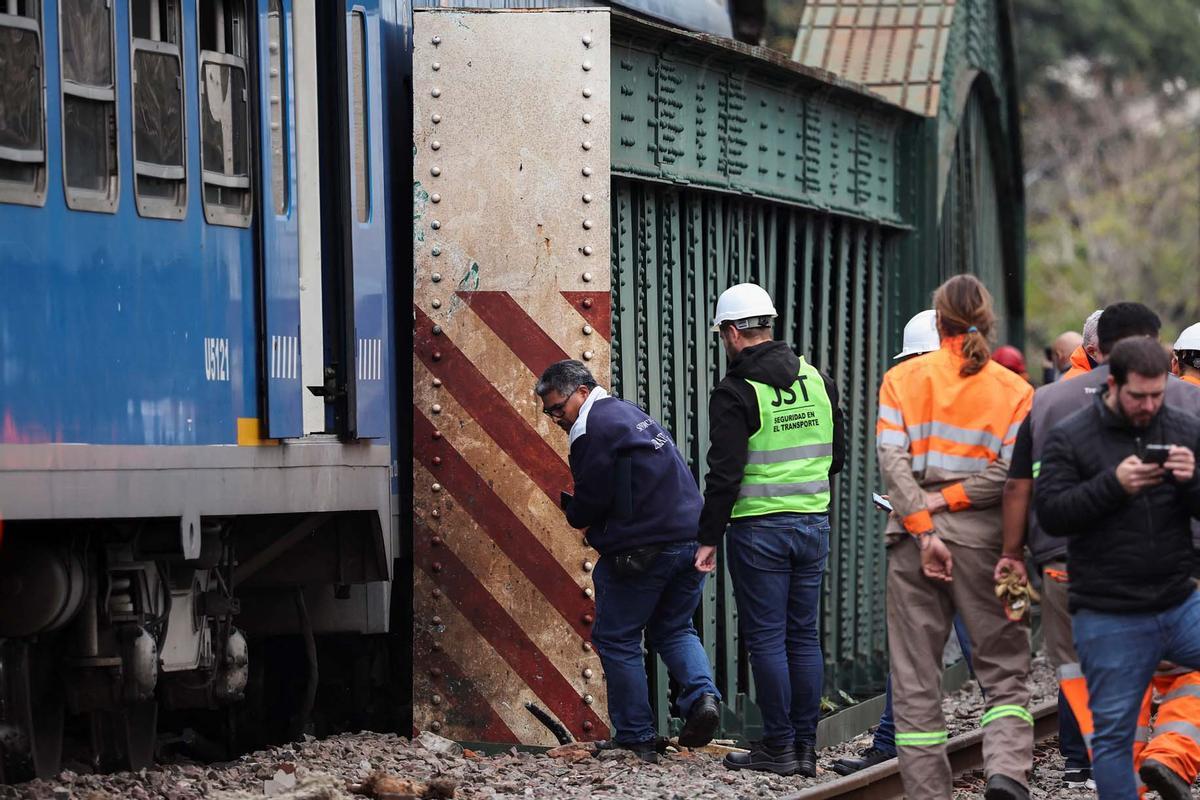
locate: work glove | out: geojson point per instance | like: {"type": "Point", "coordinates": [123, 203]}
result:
{"type": "Point", "coordinates": [1015, 595]}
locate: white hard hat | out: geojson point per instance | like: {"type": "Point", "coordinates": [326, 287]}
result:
{"type": "Point", "coordinates": [745, 301]}
{"type": "Point", "coordinates": [1189, 339]}
{"type": "Point", "coordinates": [920, 335]}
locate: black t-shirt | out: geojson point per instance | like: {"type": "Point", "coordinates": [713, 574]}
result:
{"type": "Point", "coordinates": [1021, 466]}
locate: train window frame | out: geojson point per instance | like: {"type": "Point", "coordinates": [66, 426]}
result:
{"type": "Point", "coordinates": [31, 192]}
{"type": "Point", "coordinates": [360, 114]}
{"type": "Point", "coordinates": [77, 197]}
{"type": "Point", "coordinates": [279, 131]}
{"type": "Point", "coordinates": [151, 205]}
{"type": "Point", "coordinates": [233, 57]}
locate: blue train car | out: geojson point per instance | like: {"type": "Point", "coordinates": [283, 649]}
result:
{"type": "Point", "coordinates": [196, 364]}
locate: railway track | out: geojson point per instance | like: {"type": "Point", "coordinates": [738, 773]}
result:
{"type": "Point", "coordinates": [882, 781]}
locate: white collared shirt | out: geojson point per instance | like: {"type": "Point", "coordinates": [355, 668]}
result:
{"type": "Point", "coordinates": [580, 426]}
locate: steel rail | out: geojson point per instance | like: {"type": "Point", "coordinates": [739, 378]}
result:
{"type": "Point", "coordinates": [882, 781]}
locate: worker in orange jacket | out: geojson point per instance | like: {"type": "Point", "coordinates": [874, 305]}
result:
{"type": "Point", "coordinates": [946, 428]}
{"type": "Point", "coordinates": [1085, 357]}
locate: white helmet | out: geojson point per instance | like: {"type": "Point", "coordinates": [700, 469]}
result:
{"type": "Point", "coordinates": [746, 302]}
{"type": "Point", "coordinates": [920, 335]}
{"type": "Point", "coordinates": [1188, 340]}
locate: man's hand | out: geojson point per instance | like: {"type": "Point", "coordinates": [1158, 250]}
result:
{"type": "Point", "coordinates": [706, 558]}
{"type": "Point", "coordinates": [936, 562]}
{"type": "Point", "coordinates": [935, 502]}
{"type": "Point", "coordinates": [1135, 474]}
{"type": "Point", "coordinates": [1008, 564]}
{"type": "Point", "coordinates": [1181, 462]}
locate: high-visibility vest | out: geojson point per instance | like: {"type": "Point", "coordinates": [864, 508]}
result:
{"type": "Point", "coordinates": [791, 452]}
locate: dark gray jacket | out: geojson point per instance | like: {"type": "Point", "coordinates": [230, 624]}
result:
{"type": "Point", "coordinates": [1055, 402]}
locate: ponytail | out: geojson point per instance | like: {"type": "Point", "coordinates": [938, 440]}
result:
{"type": "Point", "coordinates": [964, 308]}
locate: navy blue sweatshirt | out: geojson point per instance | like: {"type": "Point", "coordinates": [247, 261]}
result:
{"type": "Point", "coordinates": [632, 486]}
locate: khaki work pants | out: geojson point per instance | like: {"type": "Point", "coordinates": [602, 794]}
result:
{"type": "Point", "coordinates": [920, 613]}
{"type": "Point", "coordinates": [1056, 618]}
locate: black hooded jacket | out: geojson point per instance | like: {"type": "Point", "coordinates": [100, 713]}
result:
{"type": "Point", "coordinates": [733, 418]}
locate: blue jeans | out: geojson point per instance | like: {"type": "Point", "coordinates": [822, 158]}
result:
{"type": "Point", "coordinates": [777, 563]}
{"type": "Point", "coordinates": [1118, 653]}
{"type": "Point", "coordinates": [661, 602]}
{"type": "Point", "coordinates": [885, 734]}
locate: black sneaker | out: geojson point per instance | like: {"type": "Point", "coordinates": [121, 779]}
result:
{"type": "Point", "coordinates": [702, 721]}
{"type": "Point", "coordinates": [806, 759]}
{"type": "Point", "coordinates": [647, 751]}
{"type": "Point", "coordinates": [1164, 780]}
{"type": "Point", "coordinates": [1002, 787]}
{"type": "Point", "coordinates": [1078, 778]}
{"type": "Point", "coordinates": [867, 758]}
{"type": "Point", "coordinates": [780, 759]}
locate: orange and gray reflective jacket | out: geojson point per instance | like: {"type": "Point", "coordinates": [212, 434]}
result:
{"type": "Point", "coordinates": [941, 432]}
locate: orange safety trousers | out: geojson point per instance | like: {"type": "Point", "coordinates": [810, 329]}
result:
{"type": "Point", "coordinates": [1176, 742]}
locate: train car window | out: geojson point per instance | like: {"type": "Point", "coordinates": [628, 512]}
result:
{"type": "Point", "coordinates": [89, 102]}
{"type": "Point", "coordinates": [224, 112]}
{"type": "Point", "coordinates": [276, 30]}
{"type": "Point", "coordinates": [358, 89]}
{"type": "Point", "coordinates": [159, 132]}
{"type": "Point", "coordinates": [22, 104]}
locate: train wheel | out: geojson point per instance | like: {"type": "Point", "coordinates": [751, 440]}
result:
{"type": "Point", "coordinates": [36, 709]}
{"type": "Point", "coordinates": [140, 723]}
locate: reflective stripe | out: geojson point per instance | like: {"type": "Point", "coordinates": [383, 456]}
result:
{"type": "Point", "coordinates": [1069, 671]}
{"type": "Point", "coordinates": [1006, 711]}
{"type": "Point", "coordinates": [921, 739]}
{"type": "Point", "coordinates": [1037, 468]}
{"type": "Point", "coordinates": [1087, 742]}
{"type": "Point", "coordinates": [1178, 726]}
{"type": "Point", "coordinates": [1007, 451]}
{"type": "Point", "coordinates": [949, 462]}
{"type": "Point", "coordinates": [782, 489]}
{"type": "Point", "coordinates": [891, 438]}
{"type": "Point", "coordinates": [1013, 430]}
{"type": "Point", "coordinates": [953, 433]}
{"type": "Point", "coordinates": [790, 454]}
{"type": "Point", "coordinates": [1142, 734]}
{"type": "Point", "coordinates": [891, 415]}
{"type": "Point", "coordinates": [1191, 690]}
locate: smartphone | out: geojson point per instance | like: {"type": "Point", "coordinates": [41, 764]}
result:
{"type": "Point", "coordinates": [1156, 453]}
{"type": "Point", "coordinates": [881, 502]}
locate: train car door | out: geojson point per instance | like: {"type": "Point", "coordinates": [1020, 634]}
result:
{"type": "Point", "coordinates": [280, 229]}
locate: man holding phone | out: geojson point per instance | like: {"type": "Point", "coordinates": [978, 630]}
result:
{"type": "Point", "coordinates": [1127, 521]}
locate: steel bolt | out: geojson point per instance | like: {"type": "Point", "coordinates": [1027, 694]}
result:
{"type": "Point", "coordinates": [436, 699]}
{"type": "Point", "coordinates": [436, 92]}
{"type": "Point", "coordinates": [435, 514]}
{"type": "Point", "coordinates": [587, 647]}
{"type": "Point", "coordinates": [436, 566]}
{"type": "Point", "coordinates": [587, 224]}
{"type": "Point", "coordinates": [587, 591]}
{"type": "Point", "coordinates": [437, 382]}
{"type": "Point", "coordinates": [435, 252]}
{"type": "Point", "coordinates": [435, 145]}
{"type": "Point", "coordinates": [436, 277]}
{"type": "Point", "coordinates": [587, 197]}
{"type": "Point", "coordinates": [436, 66]}
{"type": "Point", "coordinates": [587, 724]}
{"type": "Point", "coordinates": [435, 198]}
{"type": "Point", "coordinates": [437, 356]}
{"type": "Point", "coordinates": [587, 619]}
{"type": "Point", "coordinates": [435, 726]}
{"type": "Point", "coordinates": [437, 40]}
{"type": "Point", "coordinates": [435, 672]}
{"type": "Point", "coordinates": [587, 145]}
{"type": "Point", "coordinates": [587, 301]}
{"type": "Point", "coordinates": [437, 409]}
{"type": "Point", "coordinates": [587, 172]}
{"type": "Point", "coordinates": [436, 225]}
{"type": "Point", "coordinates": [436, 541]}
{"type": "Point", "coordinates": [587, 355]}
{"type": "Point", "coordinates": [437, 330]}
{"type": "Point", "coordinates": [587, 40]}
{"type": "Point", "coordinates": [437, 461]}
{"type": "Point", "coordinates": [437, 487]}
{"type": "Point", "coordinates": [436, 594]}
{"type": "Point", "coordinates": [436, 303]}
{"type": "Point", "coordinates": [587, 91]}
{"type": "Point", "coordinates": [436, 620]}
{"type": "Point", "coordinates": [435, 171]}
{"type": "Point", "coordinates": [587, 277]}
{"type": "Point", "coordinates": [587, 66]}
{"type": "Point", "coordinates": [587, 566]}
{"type": "Point", "coordinates": [587, 250]}
{"type": "Point", "coordinates": [436, 118]}
{"type": "Point", "coordinates": [437, 434]}
{"type": "Point", "coordinates": [587, 699]}
{"type": "Point", "coordinates": [587, 673]}
{"type": "Point", "coordinates": [587, 330]}
{"type": "Point", "coordinates": [587, 118]}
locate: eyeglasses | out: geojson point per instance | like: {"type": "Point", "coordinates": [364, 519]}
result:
{"type": "Point", "coordinates": [556, 411]}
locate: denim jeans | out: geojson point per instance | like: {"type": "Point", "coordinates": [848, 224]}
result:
{"type": "Point", "coordinates": [885, 734]}
{"type": "Point", "coordinates": [777, 563]}
{"type": "Point", "coordinates": [661, 603]}
{"type": "Point", "coordinates": [1118, 653]}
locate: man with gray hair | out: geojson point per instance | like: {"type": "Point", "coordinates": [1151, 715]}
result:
{"type": "Point", "coordinates": [1085, 357]}
{"type": "Point", "coordinates": [641, 508]}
